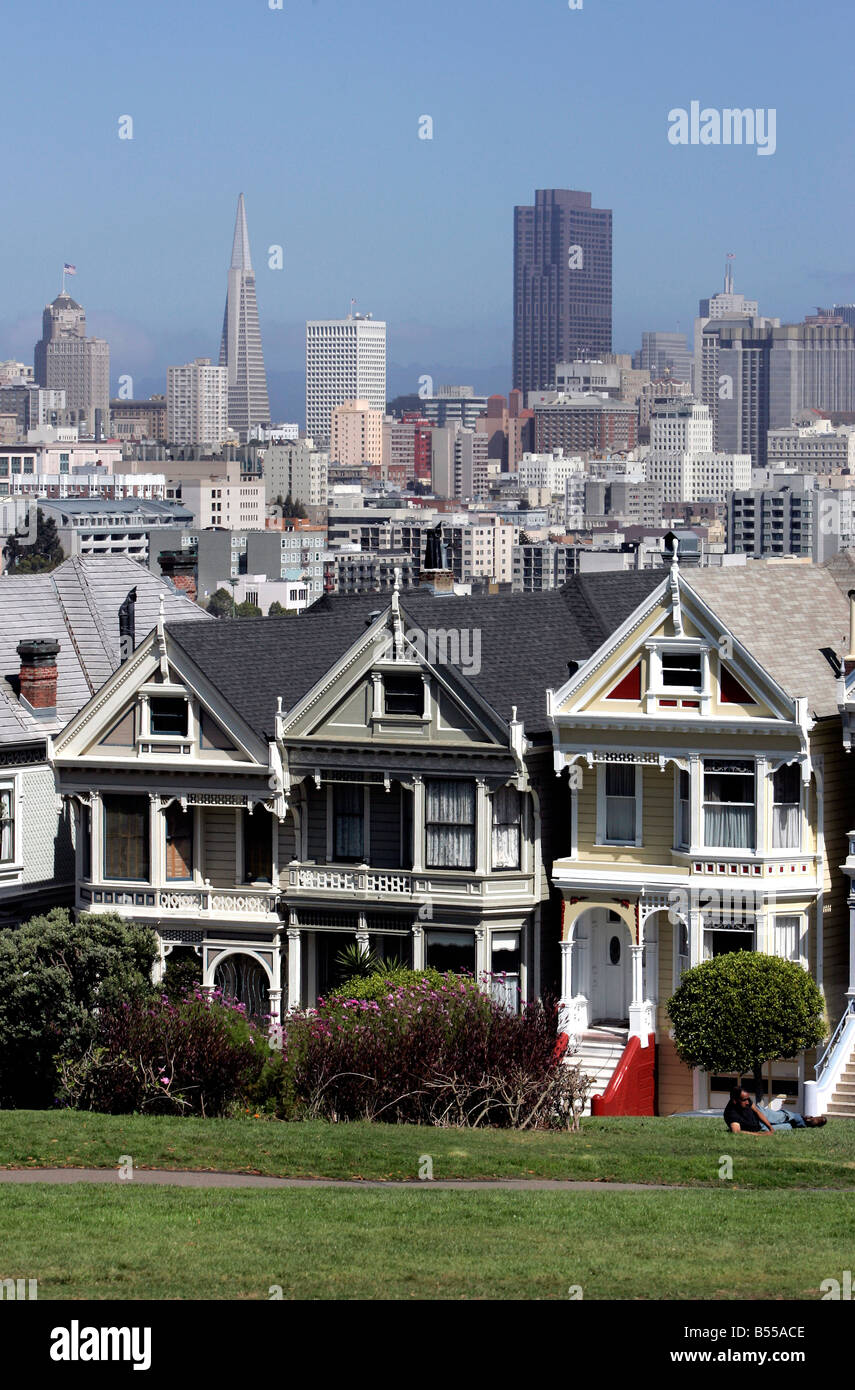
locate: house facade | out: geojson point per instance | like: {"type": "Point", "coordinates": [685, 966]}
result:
{"type": "Point", "coordinates": [709, 807]}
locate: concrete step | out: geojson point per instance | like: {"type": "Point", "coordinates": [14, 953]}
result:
{"type": "Point", "coordinates": [837, 1108]}
{"type": "Point", "coordinates": [597, 1057]}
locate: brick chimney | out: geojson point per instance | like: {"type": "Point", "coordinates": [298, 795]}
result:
{"type": "Point", "coordinates": [38, 675]}
{"type": "Point", "coordinates": [180, 567]}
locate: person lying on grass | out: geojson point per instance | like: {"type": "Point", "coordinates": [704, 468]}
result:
{"type": "Point", "coordinates": [742, 1116]}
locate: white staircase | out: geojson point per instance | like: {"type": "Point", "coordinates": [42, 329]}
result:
{"type": "Point", "coordinates": [598, 1052]}
{"type": "Point", "coordinates": [843, 1097]}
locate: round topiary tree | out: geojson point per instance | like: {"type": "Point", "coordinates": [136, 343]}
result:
{"type": "Point", "coordinates": [742, 1009]}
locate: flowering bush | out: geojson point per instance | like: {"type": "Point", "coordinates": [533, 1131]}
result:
{"type": "Point", "coordinates": [197, 1055]}
{"type": "Point", "coordinates": [432, 1052]}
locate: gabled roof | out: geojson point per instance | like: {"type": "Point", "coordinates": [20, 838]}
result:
{"type": "Point", "coordinates": [78, 604]}
{"type": "Point", "coordinates": [784, 615]}
{"type": "Point", "coordinates": [526, 641]}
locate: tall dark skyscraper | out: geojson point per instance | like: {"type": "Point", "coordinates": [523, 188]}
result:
{"type": "Point", "coordinates": [240, 348]}
{"type": "Point", "coordinates": [562, 284]}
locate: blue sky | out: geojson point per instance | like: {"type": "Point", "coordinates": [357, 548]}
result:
{"type": "Point", "coordinates": [313, 111]}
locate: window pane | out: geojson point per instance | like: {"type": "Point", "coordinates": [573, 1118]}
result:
{"type": "Point", "coordinates": [404, 694]}
{"type": "Point", "coordinates": [451, 950]}
{"type": "Point", "coordinates": [126, 837]}
{"type": "Point", "coordinates": [787, 784]}
{"type": "Point", "coordinates": [681, 668]}
{"type": "Point", "coordinates": [348, 818]}
{"type": "Point", "coordinates": [507, 807]}
{"type": "Point", "coordinates": [620, 780]}
{"type": "Point", "coordinates": [450, 825]}
{"type": "Point", "coordinates": [168, 716]}
{"type": "Point", "coordinates": [729, 827]}
{"type": "Point", "coordinates": [7, 826]}
{"type": "Point", "coordinates": [179, 842]}
{"type": "Point", "coordinates": [620, 818]}
{"type": "Point", "coordinates": [257, 847]}
{"type": "Point", "coordinates": [787, 941]}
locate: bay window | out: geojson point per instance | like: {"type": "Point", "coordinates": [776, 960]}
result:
{"type": "Point", "coordinates": [450, 824]}
{"type": "Point", "coordinates": [126, 838]}
{"type": "Point", "coordinates": [620, 826]}
{"type": "Point", "coordinates": [348, 823]}
{"type": "Point", "coordinates": [787, 807]}
{"type": "Point", "coordinates": [507, 815]}
{"type": "Point", "coordinates": [728, 803]}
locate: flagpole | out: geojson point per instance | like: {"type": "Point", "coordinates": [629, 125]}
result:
{"type": "Point", "coordinates": [63, 279]}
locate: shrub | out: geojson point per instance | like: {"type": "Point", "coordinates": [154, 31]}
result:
{"type": "Point", "coordinates": [183, 972]}
{"type": "Point", "coordinates": [432, 1052]}
{"type": "Point", "coordinates": [55, 973]}
{"type": "Point", "coordinates": [742, 1009]}
{"type": "Point", "coordinates": [381, 983]}
{"type": "Point", "coordinates": [199, 1055]}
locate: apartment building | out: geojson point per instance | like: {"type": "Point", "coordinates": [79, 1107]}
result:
{"type": "Point", "coordinates": [356, 434]}
{"type": "Point", "coordinates": [345, 361]}
{"type": "Point", "coordinates": [197, 404]}
{"type": "Point", "coordinates": [217, 502]}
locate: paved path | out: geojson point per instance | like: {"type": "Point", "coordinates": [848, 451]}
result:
{"type": "Point", "coordinates": [152, 1177]}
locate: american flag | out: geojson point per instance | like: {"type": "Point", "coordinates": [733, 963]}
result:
{"type": "Point", "coordinates": [69, 269]}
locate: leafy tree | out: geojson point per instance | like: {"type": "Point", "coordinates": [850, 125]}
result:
{"type": "Point", "coordinates": [55, 972]}
{"type": "Point", "coordinates": [247, 610]}
{"type": "Point", "coordinates": [294, 509]}
{"type": "Point", "coordinates": [742, 1009]}
{"type": "Point", "coordinates": [221, 604]}
{"type": "Point", "coordinates": [45, 554]}
{"type": "Point", "coordinates": [277, 610]}
{"type": "Point", "coordinates": [183, 971]}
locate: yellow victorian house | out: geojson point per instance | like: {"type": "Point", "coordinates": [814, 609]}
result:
{"type": "Point", "coordinates": [702, 745]}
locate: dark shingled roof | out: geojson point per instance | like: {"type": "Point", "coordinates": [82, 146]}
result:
{"type": "Point", "coordinates": [526, 642]}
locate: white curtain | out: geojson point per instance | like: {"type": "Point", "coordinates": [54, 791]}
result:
{"type": "Point", "coordinates": [450, 823]}
{"type": "Point", "coordinates": [620, 802]}
{"type": "Point", "coordinates": [787, 939]}
{"type": "Point", "coordinates": [348, 808]}
{"type": "Point", "coordinates": [787, 808]}
{"type": "Point", "coordinates": [506, 828]}
{"type": "Point", "coordinates": [729, 806]}
{"type": "Point", "coordinates": [7, 826]}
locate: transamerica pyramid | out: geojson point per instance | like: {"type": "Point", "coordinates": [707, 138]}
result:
{"type": "Point", "coordinates": [240, 349]}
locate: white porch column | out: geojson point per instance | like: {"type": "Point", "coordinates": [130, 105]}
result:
{"type": "Point", "coordinates": [483, 828]}
{"type": "Point", "coordinates": [295, 971]}
{"type": "Point", "coordinates": [696, 798]}
{"type": "Point", "coordinates": [566, 971]}
{"type": "Point", "coordinates": [156, 846]}
{"type": "Point", "coordinates": [850, 992]}
{"type": "Point", "coordinates": [96, 841]}
{"type": "Point", "coordinates": [637, 1012]}
{"type": "Point", "coordinates": [482, 965]}
{"type": "Point", "coordinates": [761, 832]}
{"type": "Point", "coordinates": [418, 825]}
{"type": "Point", "coordinates": [275, 992]}
{"type": "Point", "coordinates": [363, 940]}
{"type": "Point", "coordinates": [696, 937]}
{"type": "Point", "coordinates": [418, 947]}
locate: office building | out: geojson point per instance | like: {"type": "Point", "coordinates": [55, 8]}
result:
{"type": "Point", "coordinates": [664, 355]}
{"type": "Point", "coordinates": [356, 434]}
{"type": "Point", "coordinates": [240, 347]}
{"type": "Point", "coordinates": [197, 403]}
{"type": "Point", "coordinates": [66, 360]}
{"type": "Point", "coordinates": [345, 361]}
{"type": "Point", "coordinates": [297, 470]}
{"type": "Point", "coordinates": [562, 285]}
{"type": "Point", "coordinates": [578, 424]}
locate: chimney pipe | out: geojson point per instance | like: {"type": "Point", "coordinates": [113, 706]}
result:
{"type": "Point", "coordinates": [38, 676]}
{"type": "Point", "coordinates": [127, 627]}
{"type": "Point", "coordinates": [849, 659]}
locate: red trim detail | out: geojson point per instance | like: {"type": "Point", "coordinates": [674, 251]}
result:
{"type": "Point", "coordinates": [632, 1089]}
{"type": "Point", "coordinates": [629, 688]}
{"type": "Point", "coordinates": [668, 703]}
{"type": "Point", "coordinates": [732, 693]}
{"type": "Point", "coordinates": [560, 1047]}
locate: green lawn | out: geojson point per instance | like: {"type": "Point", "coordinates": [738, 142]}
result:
{"type": "Point", "coordinates": [120, 1242]}
{"type": "Point", "coordinates": [657, 1150]}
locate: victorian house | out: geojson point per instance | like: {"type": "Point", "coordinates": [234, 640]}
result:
{"type": "Point", "coordinates": [709, 813]}
{"type": "Point", "coordinates": [61, 637]}
{"type": "Point", "coordinates": [380, 771]}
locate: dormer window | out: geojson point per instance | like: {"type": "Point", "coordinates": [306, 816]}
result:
{"type": "Point", "coordinates": [168, 716]}
{"type": "Point", "coordinates": [403, 694]}
{"type": "Point", "coordinates": [682, 669]}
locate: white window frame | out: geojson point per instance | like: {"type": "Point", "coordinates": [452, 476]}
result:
{"type": "Point", "coordinates": [366, 826]}
{"type": "Point", "coordinates": [657, 690]}
{"type": "Point", "coordinates": [15, 865]}
{"type": "Point", "coordinates": [682, 772]}
{"type": "Point", "coordinates": [733, 850]}
{"type": "Point", "coordinates": [785, 849]}
{"type": "Point", "coordinates": [802, 940]}
{"type": "Point", "coordinates": [601, 805]}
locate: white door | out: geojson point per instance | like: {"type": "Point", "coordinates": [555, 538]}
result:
{"type": "Point", "coordinates": [610, 973]}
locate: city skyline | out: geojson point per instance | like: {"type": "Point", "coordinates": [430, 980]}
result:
{"type": "Point", "coordinates": [420, 233]}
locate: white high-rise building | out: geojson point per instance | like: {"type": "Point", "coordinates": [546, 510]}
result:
{"type": "Point", "coordinates": [197, 403]}
{"type": "Point", "coordinates": [681, 458]}
{"type": "Point", "coordinates": [345, 361]}
{"type": "Point", "coordinates": [549, 470]}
